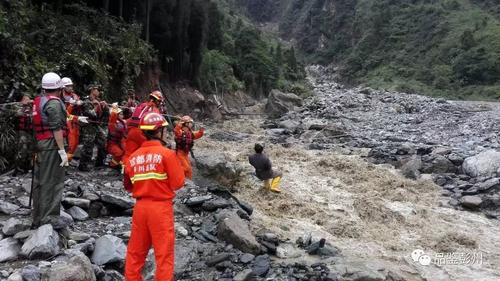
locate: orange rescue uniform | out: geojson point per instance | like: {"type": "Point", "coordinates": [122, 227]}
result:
{"type": "Point", "coordinates": [72, 123]}
{"type": "Point", "coordinates": [153, 174]}
{"type": "Point", "coordinates": [117, 130]}
{"type": "Point", "coordinates": [184, 139]}
{"type": "Point", "coordinates": [135, 137]}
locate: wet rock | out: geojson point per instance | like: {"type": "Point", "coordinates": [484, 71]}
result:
{"type": "Point", "coordinates": [246, 258]}
{"type": "Point", "coordinates": [8, 208]}
{"type": "Point", "coordinates": [197, 200]}
{"type": "Point", "coordinates": [411, 168]}
{"type": "Point", "coordinates": [108, 248]}
{"type": "Point", "coordinates": [245, 275]}
{"type": "Point", "coordinates": [235, 231]}
{"type": "Point", "coordinates": [78, 213]}
{"type": "Point", "coordinates": [214, 204]}
{"type": "Point", "coordinates": [279, 103]}
{"type": "Point", "coordinates": [15, 225]}
{"type": "Point", "coordinates": [261, 265]}
{"type": "Point", "coordinates": [471, 202]}
{"type": "Point", "coordinates": [78, 268]}
{"type": "Point", "coordinates": [9, 249]}
{"type": "Point", "coordinates": [31, 273]}
{"type": "Point", "coordinates": [215, 165]}
{"type": "Point", "coordinates": [119, 201]}
{"type": "Point", "coordinates": [79, 202]}
{"type": "Point", "coordinates": [43, 243]}
{"type": "Point", "coordinates": [484, 164]}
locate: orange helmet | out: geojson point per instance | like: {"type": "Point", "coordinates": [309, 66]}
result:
{"type": "Point", "coordinates": [157, 95]}
{"type": "Point", "coordinates": [152, 121]}
{"type": "Point", "coordinates": [186, 119]}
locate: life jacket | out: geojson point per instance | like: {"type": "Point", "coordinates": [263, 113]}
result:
{"type": "Point", "coordinates": [118, 133]}
{"type": "Point", "coordinates": [25, 119]}
{"type": "Point", "coordinates": [139, 112]}
{"type": "Point", "coordinates": [40, 118]}
{"type": "Point", "coordinates": [185, 142]}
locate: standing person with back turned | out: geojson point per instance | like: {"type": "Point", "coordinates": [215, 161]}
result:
{"type": "Point", "coordinates": [49, 123]}
{"type": "Point", "coordinates": [264, 169]}
{"type": "Point", "coordinates": [153, 174]}
{"type": "Point", "coordinates": [184, 141]}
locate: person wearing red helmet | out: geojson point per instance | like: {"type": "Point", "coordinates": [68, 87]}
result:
{"type": "Point", "coordinates": [153, 174]}
{"type": "Point", "coordinates": [135, 137]}
{"type": "Point", "coordinates": [117, 131]}
{"type": "Point", "coordinates": [184, 141]}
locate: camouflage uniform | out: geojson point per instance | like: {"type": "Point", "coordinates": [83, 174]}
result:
{"type": "Point", "coordinates": [94, 133]}
{"type": "Point", "coordinates": [25, 139]}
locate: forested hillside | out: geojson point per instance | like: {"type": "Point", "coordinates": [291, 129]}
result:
{"type": "Point", "coordinates": [111, 43]}
{"type": "Point", "coordinates": [437, 47]}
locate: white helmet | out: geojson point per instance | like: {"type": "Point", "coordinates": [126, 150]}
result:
{"type": "Point", "coordinates": [51, 81]}
{"type": "Point", "coordinates": [66, 81]}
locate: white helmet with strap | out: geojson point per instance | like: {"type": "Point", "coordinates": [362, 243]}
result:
{"type": "Point", "coordinates": [66, 81]}
{"type": "Point", "coordinates": [51, 81]}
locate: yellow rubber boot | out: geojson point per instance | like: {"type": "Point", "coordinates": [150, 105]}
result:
{"type": "Point", "coordinates": [275, 184]}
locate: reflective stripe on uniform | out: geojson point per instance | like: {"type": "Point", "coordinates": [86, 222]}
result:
{"type": "Point", "coordinates": [148, 176]}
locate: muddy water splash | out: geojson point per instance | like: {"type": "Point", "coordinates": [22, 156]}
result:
{"type": "Point", "coordinates": [374, 215]}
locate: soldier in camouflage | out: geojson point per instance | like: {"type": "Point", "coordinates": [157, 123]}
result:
{"type": "Point", "coordinates": [95, 132]}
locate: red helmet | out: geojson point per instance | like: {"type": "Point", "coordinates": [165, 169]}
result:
{"type": "Point", "coordinates": [157, 95]}
{"type": "Point", "coordinates": [152, 121]}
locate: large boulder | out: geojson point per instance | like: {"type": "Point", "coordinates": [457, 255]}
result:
{"type": "Point", "coordinates": [9, 249]}
{"type": "Point", "coordinates": [217, 166]}
{"type": "Point", "coordinates": [78, 268]}
{"type": "Point", "coordinates": [279, 103]}
{"type": "Point", "coordinates": [108, 248]}
{"type": "Point", "coordinates": [485, 164]}
{"type": "Point", "coordinates": [43, 243]}
{"type": "Point", "coordinates": [235, 231]}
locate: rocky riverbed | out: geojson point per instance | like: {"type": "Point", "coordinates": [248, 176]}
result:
{"type": "Point", "coordinates": [370, 177]}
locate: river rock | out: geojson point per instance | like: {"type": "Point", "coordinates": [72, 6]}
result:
{"type": "Point", "coordinates": [108, 248]}
{"type": "Point", "coordinates": [119, 201]}
{"type": "Point", "coordinates": [245, 275]}
{"type": "Point", "coordinates": [43, 243]}
{"type": "Point", "coordinates": [79, 202]}
{"type": "Point", "coordinates": [471, 201]}
{"type": "Point", "coordinates": [9, 249]}
{"type": "Point", "coordinates": [279, 103]}
{"type": "Point", "coordinates": [484, 164]}
{"type": "Point", "coordinates": [31, 273]}
{"type": "Point", "coordinates": [411, 168]}
{"type": "Point", "coordinates": [78, 268]}
{"type": "Point", "coordinates": [8, 208]}
{"type": "Point", "coordinates": [235, 231]}
{"type": "Point", "coordinates": [216, 165]}
{"type": "Point", "coordinates": [261, 265]}
{"type": "Point", "coordinates": [15, 225]}
{"type": "Point", "coordinates": [78, 213]}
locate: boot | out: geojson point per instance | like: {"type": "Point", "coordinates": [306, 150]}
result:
{"type": "Point", "coordinates": [275, 184]}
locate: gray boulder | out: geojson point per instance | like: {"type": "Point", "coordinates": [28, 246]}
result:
{"type": "Point", "coordinates": [8, 208]}
{"type": "Point", "coordinates": [245, 275]}
{"type": "Point", "coordinates": [80, 202]}
{"type": "Point", "coordinates": [78, 213]}
{"type": "Point", "coordinates": [43, 243]}
{"type": "Point", "coordinates": [9, 249]}
{"type": "Point", "coordinates": [120, 201]}
{"type": "Point", "coordinates": [438, 164]}
{"type": "Point", "coordinates": [31, 273]}
{"type": "Point", "coordinates": [216, 165]}
{"type": "Point", "coordinates": [279, 103]}
{"type": "Point", "coordinates": [471, 201]}
{"type": "Point", "coordinates": [411, 168]}
{"type": "Point", "coordinates": [235, 231]}
{"type": "Point", "coordinates": [108, 248]}
{"type": "Point", "coordinates": [78, 268]}
{"type": "Point", "coordinates": [485, 164]}
{"type": "Point", "coordinates": [15, 225]}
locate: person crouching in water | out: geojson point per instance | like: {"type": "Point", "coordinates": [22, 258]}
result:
{"type": "Point", "coordinates": [117, 131]}
{"type": "Point", "coordinates": [184, 141]}
{"type": "Point", "coordinates": [264, 169]}
{"type": "Point", "coordinates": [153, 174]}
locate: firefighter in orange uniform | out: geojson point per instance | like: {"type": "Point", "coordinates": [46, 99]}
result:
{"type": "Point", "coordinates": [153, 174]}
{"type": "Point", "coordinates": [184, 141]}
{"type": "Point", "coordinates": [117, 131]}
{"type": "Point", "coordinates": [135, 137]}
{"type": "Point", "coordinates": [72, 102]}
